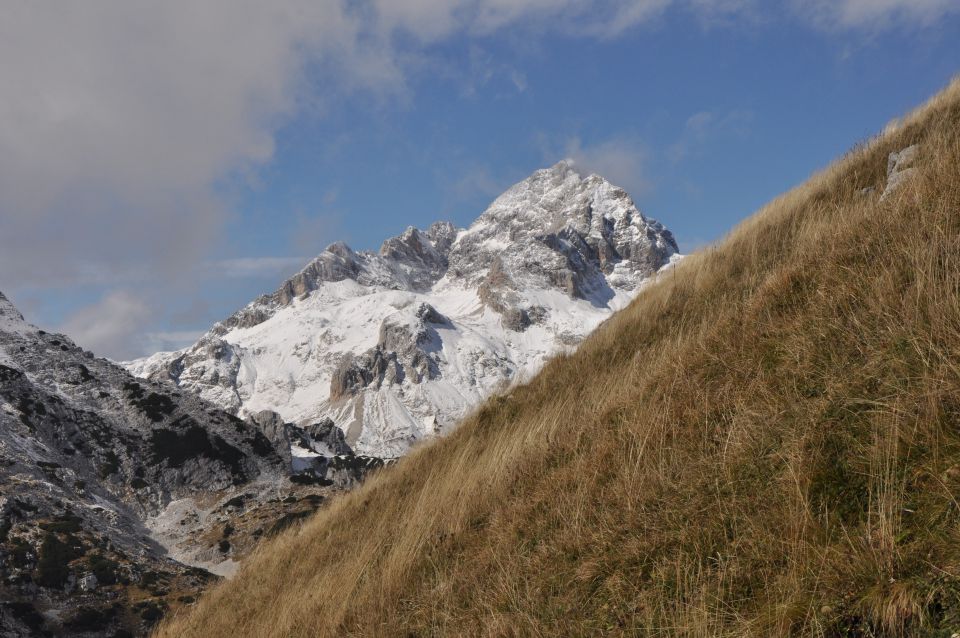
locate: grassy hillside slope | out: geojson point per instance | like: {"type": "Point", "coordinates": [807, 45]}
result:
{"type": "Point", "coordinates": [766, 442]}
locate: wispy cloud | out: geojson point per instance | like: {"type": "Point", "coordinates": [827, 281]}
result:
{"type": "Point", "coordinates": [314, 231]}
{"type": "Point", "coordinates": [703, 126]}
{"type": "Point", "coordinates": [621, 160]}
{"type": "Point", "coordinates": [168, 341]}
{"type": "Point", "coordinates": [246, 267]}
{"type": "Point", "coordinates": [118, 324]}
{"type": "Point", "coordinates": [477, 181]}
{"type": "Point", "coordinates": [114, 324]}
{"type": "Point", "coordinates": [519, 80]}
{"type": "Point", "coordinates": [838, 15]}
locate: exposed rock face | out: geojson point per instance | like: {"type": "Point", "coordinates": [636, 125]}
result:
{"type": "Point", "coordinates": [407, 349]}
{"type": "Point", "coordinates": [106, 479]}
{"type": "Point", "coordinates": [398, 345]}
{"type": "Point", "coordinates": [88, 454]}
{"type": "Point", "coordinates": [899, 169]}
{"type": "Point", "coordinates": [327, 438]}
{"type": "Point", "coordinates": [560, 230]}
{"type": "Point", "coordinates": [98, 420]}
{"type": "Point", "coordinates": [421, 257]}
{"type": "Point", "coordinates": [337, 263]}
{"type": "Point", "coordinates": [274, 428]}
{"type": "Point", "coordinates": [317, 454]}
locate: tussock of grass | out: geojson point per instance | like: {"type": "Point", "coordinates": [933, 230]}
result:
{"type": "Point", "coordinates": [766, 442]}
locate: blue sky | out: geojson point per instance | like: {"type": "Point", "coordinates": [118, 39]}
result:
{"type": "Point", "coordinates": [172, 177]}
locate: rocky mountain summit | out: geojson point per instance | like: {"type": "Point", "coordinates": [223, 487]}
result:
{"type": "Point", "coordinates": [397, 345]}
{"type": "Point", "coordinates": [119, 496]}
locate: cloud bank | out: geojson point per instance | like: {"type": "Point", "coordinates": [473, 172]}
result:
{"type": "Point", "coordinates": [117, 119]}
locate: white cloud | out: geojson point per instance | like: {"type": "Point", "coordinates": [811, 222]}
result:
{"type": "Point", "coordinates": [434, 20]}
{"type": "Point", "coordinates": [245, 267]}
{"type": "Point", "coordinates": [875, 14]}
{"type": "Point", "coordinates": [694, 132]}
{"type": "Point", "coordinates": [428, 20]}
{"type": "Point", "coordinates": [113, 324]}
{"type": "Point", "coordinates": [476, 180]}
{"type": "Point", "coordinates": [722, 12]}
{"type": "Point", "coordinates": [169, 341]}
{"type": "Point", "coordinates": [575, 17]}
{"type": "Point", "coordinates": [117, 119]}
{"type": "Point", "coordinates": [519, 80]}
{"type": "Point", "coordinates": [621, 160]}
{"type": "Point", "coordinates": [703, 126]}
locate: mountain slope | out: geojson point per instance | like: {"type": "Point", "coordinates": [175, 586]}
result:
{"type": "Point", "coordinates": [399, 345]}
{"type": "Point", "coordinates": [105, 479]}
{"type": "Point", "coordinates": [765, 443]}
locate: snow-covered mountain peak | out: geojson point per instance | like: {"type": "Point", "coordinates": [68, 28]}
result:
{"type": "Point", "coordinates": [398, 344]}
{"type": "Point", "coordinates": [558, 229]}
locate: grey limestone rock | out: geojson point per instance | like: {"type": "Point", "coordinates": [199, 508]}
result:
{"type": "Point", "coordinates": [327, 438]}
{"type": "Point", "coordinates": [406, 349]}
{"type": "Point", "coordinates": [276, 431]}
{"type": "Point", "coordinates": [900, 166]}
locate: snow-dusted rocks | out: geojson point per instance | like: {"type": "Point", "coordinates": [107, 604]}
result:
{"type": "Point", "coordinates": [108, 481]}
{"type": "Point", "coordinates": [558, 230]}
{"type": "Point", "coordinates": [398, 345]}
{"type": "Point", "coordinates": [88, 453]}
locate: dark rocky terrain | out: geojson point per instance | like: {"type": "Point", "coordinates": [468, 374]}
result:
{"type": "Point", "coordinates": [106, 479]}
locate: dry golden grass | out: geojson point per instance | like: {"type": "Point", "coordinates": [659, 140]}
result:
{"type": "Point", "coordinates": [765, 443]}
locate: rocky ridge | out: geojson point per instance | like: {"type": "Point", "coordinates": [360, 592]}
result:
{"type": "Point", "coordinates": [119, 496]}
